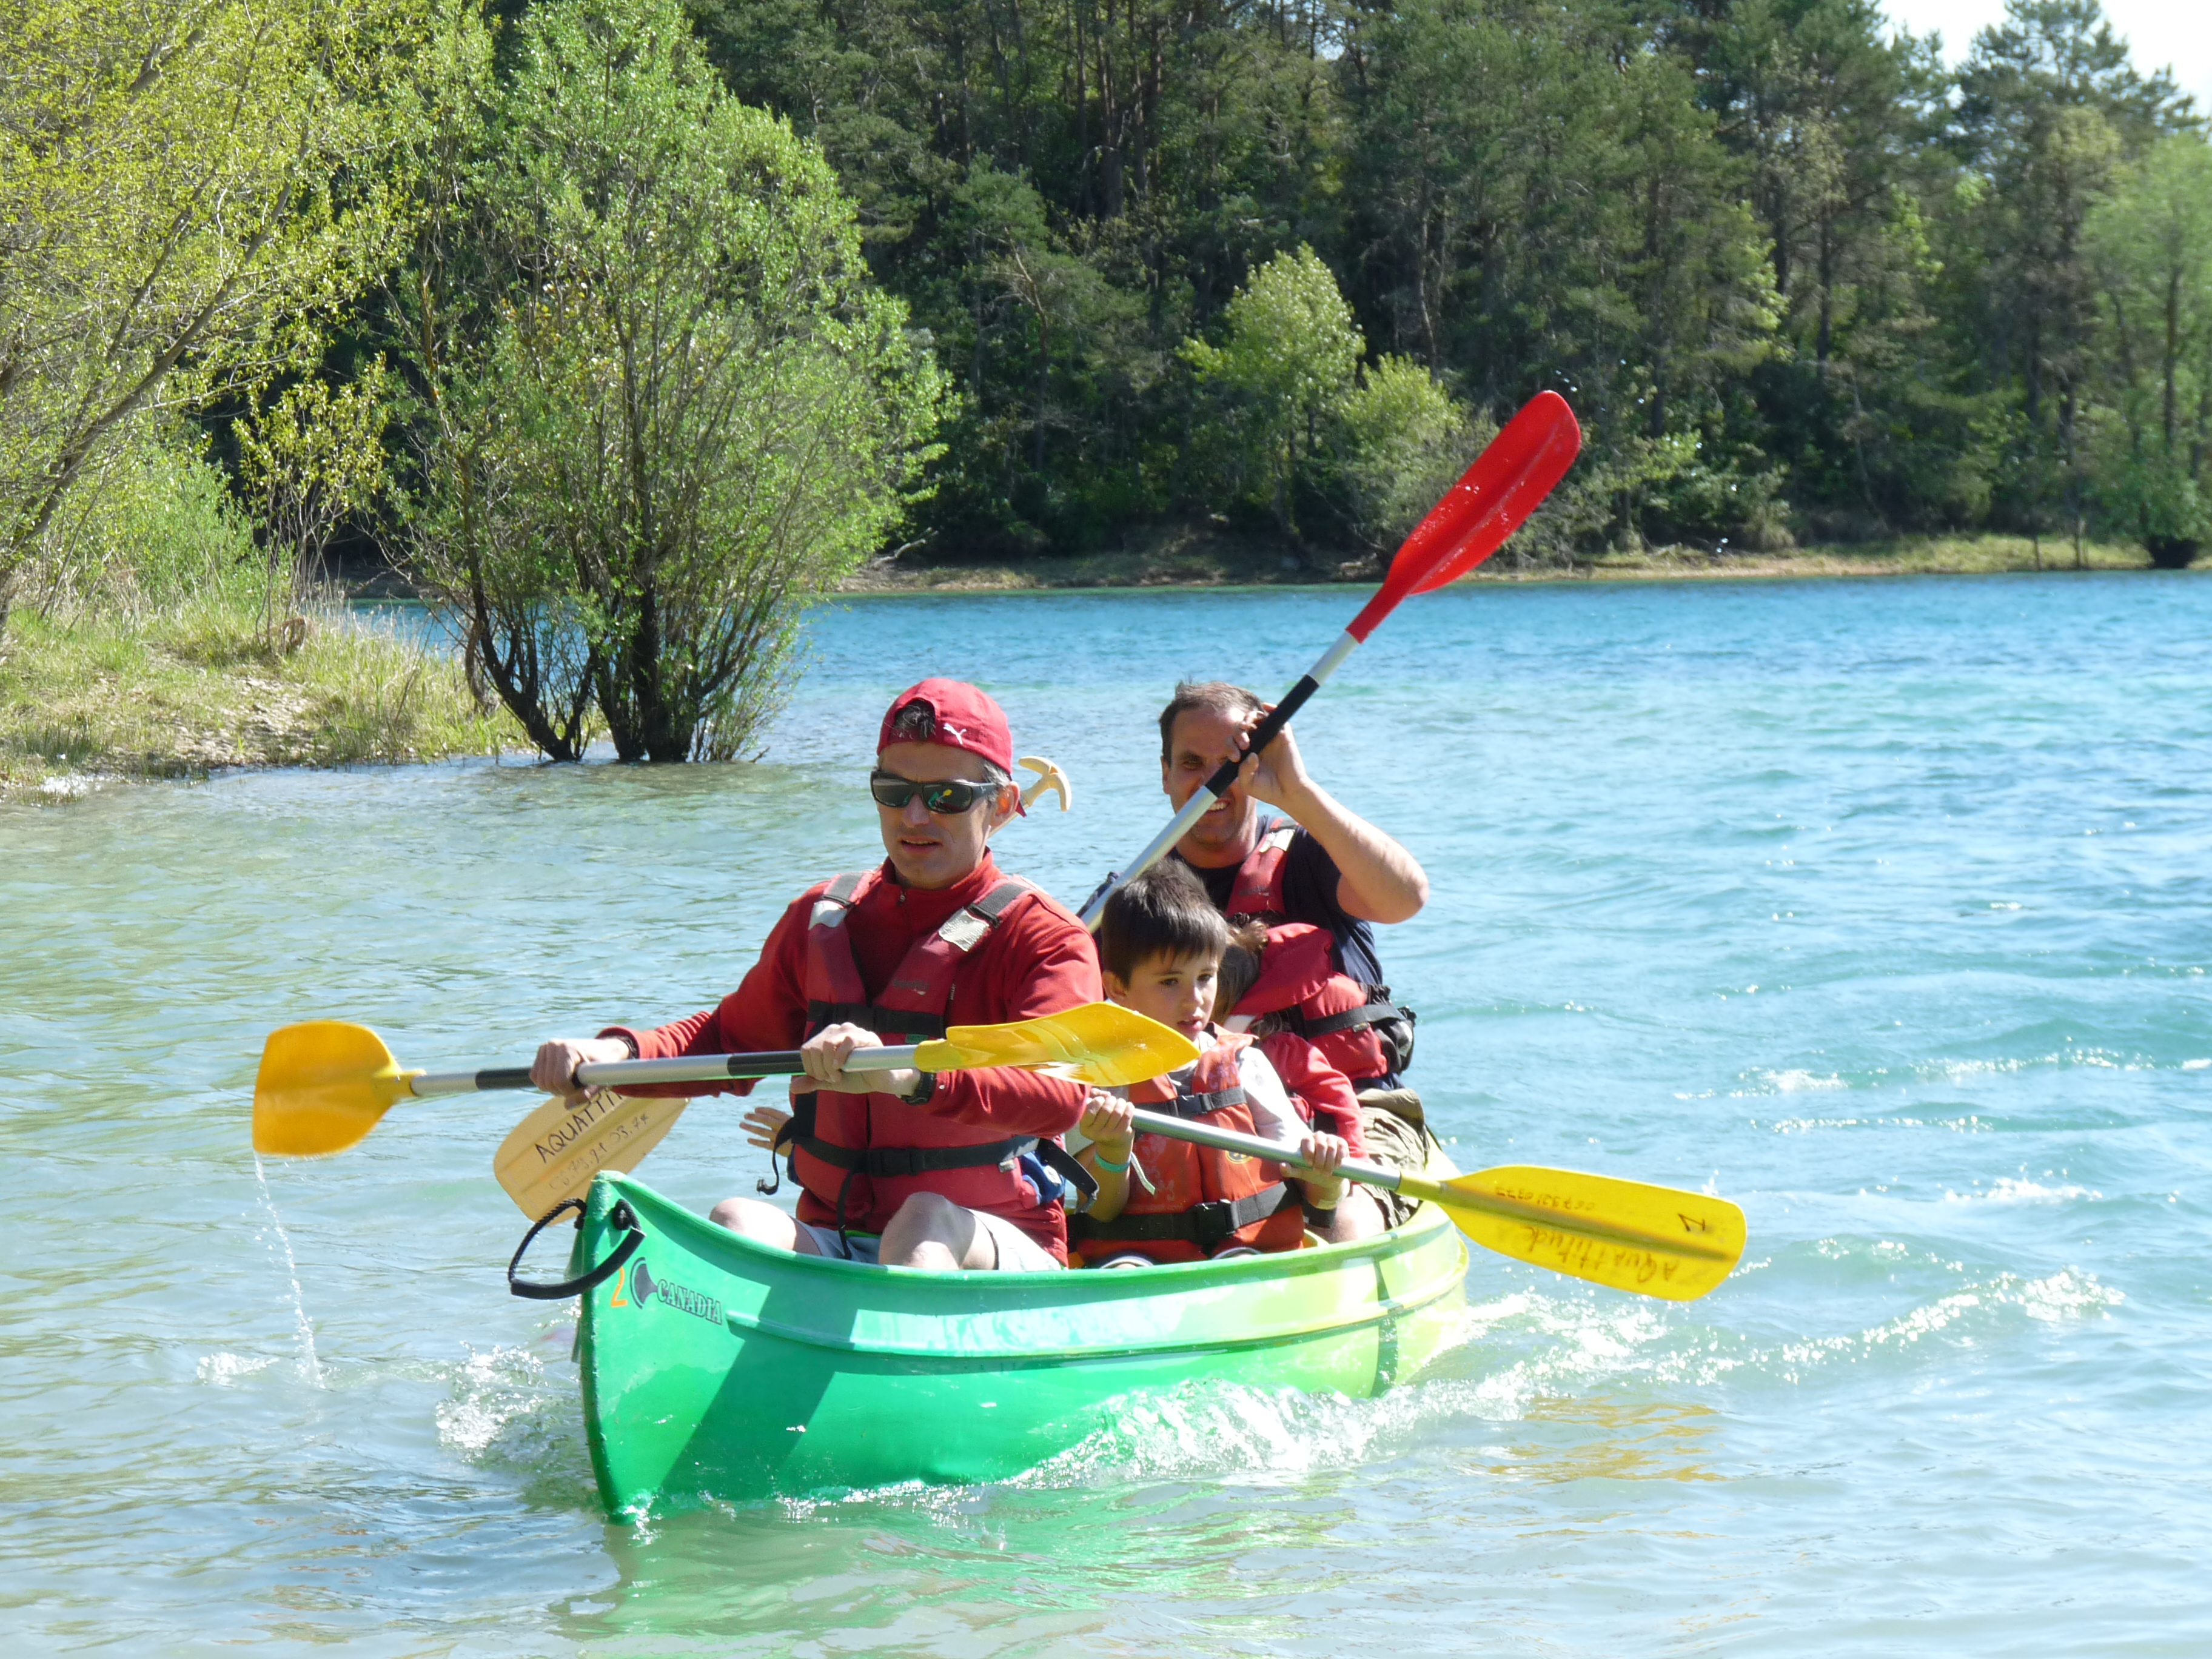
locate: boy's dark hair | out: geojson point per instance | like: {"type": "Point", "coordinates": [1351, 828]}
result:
{"type": "Point", "coordinates": [1240, 963]}
{"type": "Point", "coordinates": [1163, 912]}
{"type": "Point", "coordinates": [1215, 696]}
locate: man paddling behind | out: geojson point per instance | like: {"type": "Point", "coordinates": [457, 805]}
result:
{"type": "Point", "coordinates": [939, 1171]}
{"type": "Point", "coordinates": [1323, 866]}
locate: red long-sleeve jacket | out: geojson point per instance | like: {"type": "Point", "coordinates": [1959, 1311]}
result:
{"type": "Point", "coordinates": [1037, 960]}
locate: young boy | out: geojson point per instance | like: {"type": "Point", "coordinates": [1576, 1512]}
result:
{"type": "Point", "coordinates": [1160, 946]}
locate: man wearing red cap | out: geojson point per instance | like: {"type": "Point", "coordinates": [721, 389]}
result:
{"type": "Point", "coordinates": [943, 1172]}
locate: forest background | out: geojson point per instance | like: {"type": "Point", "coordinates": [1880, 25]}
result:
{"type": "Point", "coordinates": [625, 330]}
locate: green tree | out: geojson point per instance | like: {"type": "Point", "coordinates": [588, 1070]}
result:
{"type": "Point", "coordinates": [192, 194]}
{"type": "Point", "coordinates": [1402, 440]}
{"type": "Point", "coordinates": [1289, 351]}
{"type": "Point", "coordinates": [2049, 108]}
{"type": "Point", "coordinates": [309, 459]}
{"type": "Point", "coordinates": [2151, 244]}
{"type": "Point", "coordinates": [692, 413]}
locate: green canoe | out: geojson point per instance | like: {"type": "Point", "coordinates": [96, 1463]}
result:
{"type": "Point", "coordinates": [716, 1368]}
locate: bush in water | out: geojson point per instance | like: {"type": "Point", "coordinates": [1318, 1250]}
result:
{"type": "Point", "coordinates": [689, 410]}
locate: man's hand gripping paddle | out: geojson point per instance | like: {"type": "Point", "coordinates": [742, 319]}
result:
{"type": "Point", "coordinates": [1492, 500]}
{"type": "Point", "coordinates": [1627, 1235]}
{"type": "Point", "coordinates": [324, 1084]}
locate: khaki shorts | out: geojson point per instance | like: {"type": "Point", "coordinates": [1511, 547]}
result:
{"type": "Point", "coordinates": [1018, 1252]}
{"type": "Point", "coordinates": [1397, 1137]}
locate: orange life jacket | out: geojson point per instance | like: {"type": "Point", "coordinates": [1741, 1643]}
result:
{"type": "Point", "coordinates": [1202, 1201]}
{"type": "Point", "coordinates": [1300, 981]}
{"type": "Point", "coordinates": [865, 1154]}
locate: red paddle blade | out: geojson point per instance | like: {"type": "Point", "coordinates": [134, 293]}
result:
{"type": "Point", "coordinates": [1493, 499]}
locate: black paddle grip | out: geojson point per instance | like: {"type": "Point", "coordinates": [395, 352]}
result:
{"type": "Point", "coordinates": [776, 1062]}
{"type": "Point", "coordinates": [622, 1215]}
{"type": "Point", "coordinates": [502, 1077]}
{"type": "Point", "coordinates": [1264, 733]}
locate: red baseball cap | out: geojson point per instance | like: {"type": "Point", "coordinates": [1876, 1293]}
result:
{"type": "Point", "coordinates": [962, 718]}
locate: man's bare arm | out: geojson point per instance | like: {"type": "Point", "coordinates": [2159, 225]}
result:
{"type": "Point", "coordinates": [1377, 880]}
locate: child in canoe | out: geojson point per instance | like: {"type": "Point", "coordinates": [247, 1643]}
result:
{"type": "Point", "coordinates": [1160, 946]}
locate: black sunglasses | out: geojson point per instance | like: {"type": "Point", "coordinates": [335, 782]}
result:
{"type": "Point", "coordinates": [948, 799]}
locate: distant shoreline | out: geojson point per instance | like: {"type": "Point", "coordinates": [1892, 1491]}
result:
{"type": "Point", "coordinates": [1190, 560]}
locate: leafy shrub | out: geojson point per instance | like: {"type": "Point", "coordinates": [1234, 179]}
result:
{"type": "Point", "coordinates": [667, 405]}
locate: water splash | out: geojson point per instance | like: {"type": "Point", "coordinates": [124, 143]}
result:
{"type": "Point", "coordinates": [311, 1367]}
{"type": "Point", "coordinates": [495, 1391]}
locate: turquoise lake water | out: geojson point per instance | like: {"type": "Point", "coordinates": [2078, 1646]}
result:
{"type": "Point", "coordinates": [1881, 908]}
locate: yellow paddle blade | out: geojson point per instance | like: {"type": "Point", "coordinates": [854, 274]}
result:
{"type": "Point", "coordinates": [1098, 1043]}
{"type": "Point", "coordinates": [554, 1152]}
{"type": "Point", "coordinates": [322, 1086]}
{"type": "Point", "coordinates": [1629, 1235]}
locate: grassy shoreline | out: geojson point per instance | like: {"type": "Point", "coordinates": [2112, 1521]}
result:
{"type": "Point", "coordinates": [1184, 558]}
{"type": "Point", "coordinates": [89, 700]}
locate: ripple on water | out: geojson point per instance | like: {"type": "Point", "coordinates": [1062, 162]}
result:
{"type": "Point", "coordinates": [1952, 1401]}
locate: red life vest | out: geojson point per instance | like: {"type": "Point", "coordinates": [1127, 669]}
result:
{"type": "Point", "coordinates": [1202, 1201]}
{"type": "Point", "coordinates": [865, 1154]}
{"type": "Point", "coordinates": [1299, 981]}
{"type": "Point", "coordinates": [1259, 888]}
{"type": "Point", "coordinates": [1322, 1094]}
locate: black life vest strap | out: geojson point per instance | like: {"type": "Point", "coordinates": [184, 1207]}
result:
{"type": "Point", "coordinates": [993, 904]}
{"type": "Point", "coordinates": [896, 1162]}
{"type": "Point", "coordinates": [1063, 1163]}
{"type": "Point", "coordinates": [1190, 1105]}
{"type": "Point", "coordinates": [1351, 1019]}
{"type": "Point", "coordinates": [922, 1027]}
{"type": "Point", "coordinates": [900, 1162]}
{"type": "Point", "coordinates": [1208, 1226]}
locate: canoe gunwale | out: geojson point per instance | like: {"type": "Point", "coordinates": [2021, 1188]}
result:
{"type": "Point", "coordinates": [1380, 1311]}
{"type": "Point", "coordinates": [960, 1296]}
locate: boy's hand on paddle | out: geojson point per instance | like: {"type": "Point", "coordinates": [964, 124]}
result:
{"type": "Point", "coordinates": [1321, 1154]}
{"type": "Point", "coordinates": [826, 1052]}
{"type": "Point", "coordinates": [554, 1070]}
{"type": "Point", "coordinates": [761, 1124]}
{"type": "Point", "coordinates": [1108, 1123]}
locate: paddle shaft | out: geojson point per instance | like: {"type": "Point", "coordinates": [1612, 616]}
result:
{"type": "Point", "coordinates": [688, 1068]}
{"type": "Point", "coordinates": [1226, 775]}
{"type": "Point", "coordinates": [1374, 1175]}
{"type": "Point", "coordinates": [1230, 1140]}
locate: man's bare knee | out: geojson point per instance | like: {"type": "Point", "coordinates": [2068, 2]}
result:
{"type": "Point", "coordinates": [931, 1231]}
{"type": "Point", "coordinates": [763, 1222]}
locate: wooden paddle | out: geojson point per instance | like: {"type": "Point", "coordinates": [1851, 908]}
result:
{"type": "Point", "coordinates": [1492, 500]}
{"type": "Point", "coordinates": [324, 1084]}
{"type": "Point", "coordinates": [1629, 1235]}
